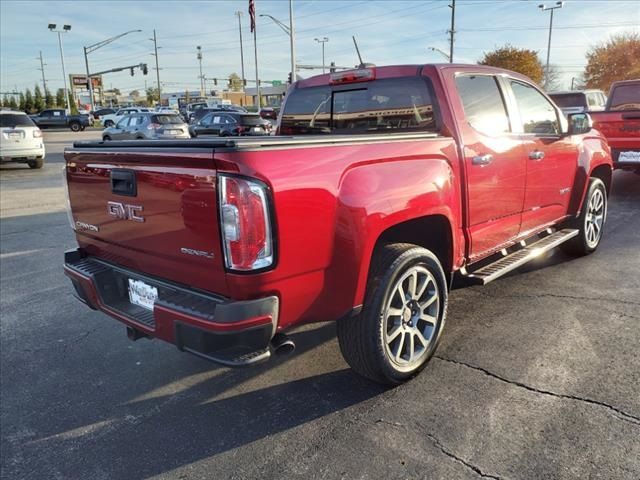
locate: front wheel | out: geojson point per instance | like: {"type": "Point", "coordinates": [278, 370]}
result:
{"type": "Point", "coordinates": [404, 312]}
{"type": "Point", "coordinates": [109, 124]}
{"type": "Point", "coordinates": [106, 138]}
{"type": "Point", "coordinates": [590, 222]}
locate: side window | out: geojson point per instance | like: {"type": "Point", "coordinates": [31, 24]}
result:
{"type": "Point", "coordinates": [536, 113]}
{"type": "Point", "coordinates": [122, 124]}
{"type": "Point", "coordinates": [45, 113]}
{"type": "Point", "coordinates": [135, 120]}
{"type": "Point", "coordinates": [57, 113]}
{"type": "Point", "coordinates": [206, 120]}
{"type": "Point", "coordinates": [593, 100]}
{"type": "Point", "coordinates": [217, 120]}
{"type": "Point", "coordinates": [483, 103]}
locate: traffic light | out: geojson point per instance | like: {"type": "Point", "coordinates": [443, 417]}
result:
{"type": "Point", "coordinates": [244, 82]}
{"type": "Point", "coordinates": [144, 69]}
{"type": "Point", "coordinates": [215, 81]}
{"type": "Point", "coordinates": [289, 78]}
{"type": "Point", "coordinates": [131, 71]}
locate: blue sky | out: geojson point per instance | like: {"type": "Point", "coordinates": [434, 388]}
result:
{"type": "Point", "coordinates": [388, 32]}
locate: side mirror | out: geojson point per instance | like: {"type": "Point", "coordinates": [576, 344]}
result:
{"type": "Point", "coordinates": [579, 123]}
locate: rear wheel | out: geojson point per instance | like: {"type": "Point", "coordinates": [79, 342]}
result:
{"type": "Point", "coordinates": [35, 164]}
{"type": "Point", "coordinates": [590, 222]}
{"type": "Point", "coordinates": [106, 138]}
{"type": "Point", "coordinates": [404, 311]}
{"type": "Point", "coordinates": [75, 126]}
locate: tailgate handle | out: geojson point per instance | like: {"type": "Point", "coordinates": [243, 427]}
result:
{"type": "Point", "coordinates": [123, 182]}
{"type": "Point", "coordinates": [631, 115]}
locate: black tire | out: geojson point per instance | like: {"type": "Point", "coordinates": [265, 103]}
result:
{"type": "Point", "coordinates": [109, 124]}
{"type": "Point", "coordinates": [106, 138]}
{"type": "Point", "coordinates": [35, 164]}
{"type": "Point", "coordinates": [75, 126]}
{"type": "Point", "coordinates": [584, 243]}
{"type": "Point", "coordinates": [82, 129]}
{"type": "Point", "coordinates": [364, 339]}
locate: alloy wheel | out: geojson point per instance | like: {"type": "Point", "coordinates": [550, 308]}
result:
{"type": "Point", "coordinates": [410, 317]}
{"type": "Point", "coordinates": [595, 217]}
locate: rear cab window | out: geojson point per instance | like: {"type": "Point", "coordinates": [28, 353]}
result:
{"type": "Point", "coordinates": [12, 120]}
{"type": "Point", "coordinates": [385, 105]}
{"type": "Point", "coordinates": [569, 100]}
{"type": "Point", "coordinates": [166, 119]}
{"type": "Point", "coordinates": [625, 97]}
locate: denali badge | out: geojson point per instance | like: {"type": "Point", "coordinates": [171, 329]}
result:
{"type": "Point", "coordinates": [86, 226]}
{"type": "Point", "coordinates": [124, 211]}
{"type": "Point", "coordinates": [197, 253]}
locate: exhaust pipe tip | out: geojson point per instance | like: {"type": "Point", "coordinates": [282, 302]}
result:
{"type": "Point", "coordinates": [282, 344]}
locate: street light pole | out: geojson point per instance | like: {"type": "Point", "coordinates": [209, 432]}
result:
{"type": "Point", "coordinates": [292, 35]}
{"type": "Point", "coordinates": [322, 41]}
{"type": "Point", "coordinates": [201, 77]}
{"type": "Point", "coordinates": [65, 28]}
{"type": "Point", "coordinates": [444, 54]}
{"type": "Point", "coordinates": [244, 81]}
{"type": "Point", "coordinates": [543, 7]}
{"type": "Point", "coordinates": [453, 29]}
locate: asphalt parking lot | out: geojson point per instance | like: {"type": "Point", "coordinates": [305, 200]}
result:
{"type": "Point", "coordinates": [537, 376]}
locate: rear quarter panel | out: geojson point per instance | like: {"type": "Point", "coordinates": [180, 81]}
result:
{"type": "Point", "coordinates": [332, 203]}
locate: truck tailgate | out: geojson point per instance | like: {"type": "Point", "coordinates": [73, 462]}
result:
{"type": "Point", "coordinates": [151, 210]}
{"type": "Point", "coordinates": [620, 128]}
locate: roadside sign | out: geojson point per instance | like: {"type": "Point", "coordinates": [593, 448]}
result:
{"type": "Point", "coordinates": [276, 83]}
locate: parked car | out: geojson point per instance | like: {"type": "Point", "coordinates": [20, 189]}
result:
{"type": "Point", "coordinates": [198, 114]}
{"type": "Point", "coordinates": [225, 124]}
{"type": "Point", "coordinates": [111, 119]}
{"type": "Point", "coordinates": [101, 112]}
{"type": "Point", "coordinates": [620, 124]}
{"type": "Point", "coordinates": [147, 126]}
{"type": "Point", "coordinates": [269, 113]}
{"type": "Point", "coordinates": [20, 139]}
{"type": "Point", "coordinates": [578, 101]}
{"type": "Point", "coordinates": [408, 177]}
{"type": "Point", "coordinates": [58, 118]}
{"type": "Point", "coordinates": [192, 108]}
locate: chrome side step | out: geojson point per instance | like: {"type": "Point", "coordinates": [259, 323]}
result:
{"type": "Point", "coordinates": [510, 262]}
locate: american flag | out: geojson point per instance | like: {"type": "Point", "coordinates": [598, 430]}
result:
{"type": "Point", "coordinates": [252, 14]}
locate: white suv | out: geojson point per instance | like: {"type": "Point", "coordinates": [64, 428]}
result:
{"type": "Point", "coordinates": [20, 139]}
{"type": "Point", "coordinates": [111, 120]}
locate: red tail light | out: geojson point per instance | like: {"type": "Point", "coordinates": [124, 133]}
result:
{"type": "Point", "coordinates": [246, 226]}
{"type": "Point", "coordinates": [241, 129]}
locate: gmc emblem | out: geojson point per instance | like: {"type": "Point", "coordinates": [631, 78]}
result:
{"type": "Point", "coordinates": [123, 211]}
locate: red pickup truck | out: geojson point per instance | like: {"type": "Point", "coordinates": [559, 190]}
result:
{"type": "Point", "coordinates": [383, 185]}
{"type": "Point", "coordinates": [620, 124]}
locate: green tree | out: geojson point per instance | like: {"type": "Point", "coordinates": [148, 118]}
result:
{"type": "Point", "coordinates": [28, 101]}
{"type": "Point", "coordinates": [21, 105]}
{"type": "Point", "coordinates": [152, 96]}
{"type": "Point", "coordinates": [38, 99]}
{"type": "Point", "coordinates": [49, 100]}
{"type": "Point", "coordinates": [12, 103]}
{"type": "Point", "coordinates": [616, 59]}
{"type": "Point", "coordinates": [519, 60]}
{"type": "Point", "coordinates": [60, 103]}
{"type": "Point", "coordinates": [72, 103]}
{"type": "Point", "coordinates": [235, 82]}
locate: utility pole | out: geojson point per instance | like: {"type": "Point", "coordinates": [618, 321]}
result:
{"type": "Point", "coordinates": [543, 7]}
{"type": "Point", "coordinates": [453, 29]}
{"type": "Point", "coordinates": [155, 48]}
{"type": "Point", "coordinates": [254, 30]}
{"type": "Point", "coordinates": [199, 56]}
{"type": "Point", "coordinates": [292, 36]}
{"type": "Point", "coordinates": [44, 81]}
{"type": "Point", "coordinates": [322, 40]}
{"type": "Point", "coordinates": [89, 80]}
{"type": "Point", "coordinates": [244, 81]}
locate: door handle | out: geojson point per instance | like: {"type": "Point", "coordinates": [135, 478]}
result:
{"type": "Point", "coordinates": [536, 155]}
{"type": "Point", "coordinates": [485, 159]}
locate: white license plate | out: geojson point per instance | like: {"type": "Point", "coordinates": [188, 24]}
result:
{"type": "Point", "coordinates": [633, 157]}
{"type": "Point", "coordinates": [142, 294]}
{"type": "Point", "coordinates": [172, 132]}
{"type": "Point", "coordinates": [257, 129]}
{"type": "Point", "coordinates": [15, 136]}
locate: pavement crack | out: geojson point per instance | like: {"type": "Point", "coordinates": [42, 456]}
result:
{"type": "Point", "coordinates": [438, 444]}
{"type": "Point", "coordinates": [618, 413]}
